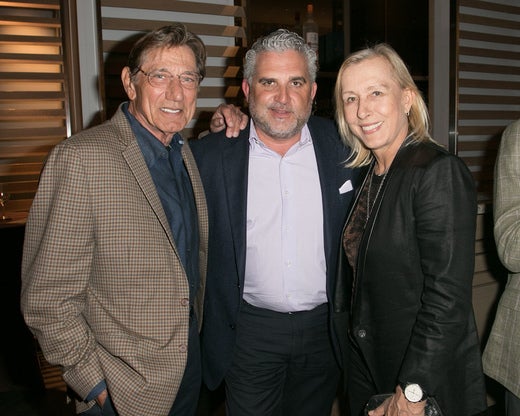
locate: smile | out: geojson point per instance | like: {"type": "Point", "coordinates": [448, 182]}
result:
{"type": "Point", "coordinates": [371, 127]}
{"type": "Point", "coordinates": [170, 110]}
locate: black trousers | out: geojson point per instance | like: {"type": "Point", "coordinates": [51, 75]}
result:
{"type": "Point", "coordinates": [283, 364]}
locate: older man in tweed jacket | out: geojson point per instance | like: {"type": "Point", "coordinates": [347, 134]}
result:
{"type": "Point", "coordinates": [115, 254]}
{"type": "Point", "coordinates": [502, 354]}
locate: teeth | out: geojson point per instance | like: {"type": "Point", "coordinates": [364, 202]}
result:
{"type": "Point", "coordinates": [169, 110]}
{"type": "Point", "coordinates": [372, 126]}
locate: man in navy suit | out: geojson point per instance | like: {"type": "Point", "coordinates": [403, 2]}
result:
{"type": "Point", "coordinates": [277, 200]}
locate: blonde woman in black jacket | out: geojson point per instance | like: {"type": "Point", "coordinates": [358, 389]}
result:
{"type": "Point", "coordinates": [404, 288]}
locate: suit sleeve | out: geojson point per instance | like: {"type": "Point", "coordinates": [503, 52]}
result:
{"type": "Point", "coordinates": [445, 216]}
{"type": "Point", "coordinates": [56, 266]}
{"type": "Point", "coordinates": [507, 199]}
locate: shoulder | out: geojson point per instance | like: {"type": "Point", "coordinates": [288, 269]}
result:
{"type": "Point", "coordinates": [427, 155]}
{"type": "Point", "coordinates": [215, 141]}
{"type": "Point", "coordinates": [110, 131]}
{"type": "Point", "coordinates": [510, 141]}
{"type": "Point", "coordinates": [427, 163]}
{"type": "Point", "coordinates": [325, 135]}
{"type": "Point", "coordinates": [320, 125]}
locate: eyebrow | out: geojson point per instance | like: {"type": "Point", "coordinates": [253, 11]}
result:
{"type": "Point", "coordinates": [299, 78]}
{"type": "Point", "coordinates": [370, 88]}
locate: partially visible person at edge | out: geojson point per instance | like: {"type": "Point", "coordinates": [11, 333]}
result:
{"type": "Point", "coordinates": [502, 353]}
{"type": "Point", "coordinates": [277, 198]}
{"type": "Point", "coordinates": [114, 261]}
{"type": "Point", "coordinates": [406, 278]}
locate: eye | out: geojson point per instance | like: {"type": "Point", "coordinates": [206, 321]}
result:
{"type": "Point", "coordinates": [267, 82]}
{"type": "Point", "coordinates": [297, 83]}
{"type": "Point", "coordinates": [160, 76]}
{"type": "Point", "coordinates": [187, 78]}
{"type": "Point", "coordinates": [377, 93]}
{"type": "Point", "coordinates": [348, 100]}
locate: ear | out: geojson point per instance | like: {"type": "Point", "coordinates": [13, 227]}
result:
{"type": "Point", "coordinates": [408, 99]}
{"type": "Point", "coordinates": [128, 84]}
{"type": "Point", "coordinates": [314, 89]}
{"type": "Point", "coordinates": [245, 88]}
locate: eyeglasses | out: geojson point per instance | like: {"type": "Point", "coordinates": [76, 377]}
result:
{"type": "Point", "coordinates": [162, 79]}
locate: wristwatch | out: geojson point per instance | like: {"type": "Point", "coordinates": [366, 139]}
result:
{"type": "Point", "coordinates": [413, 392]}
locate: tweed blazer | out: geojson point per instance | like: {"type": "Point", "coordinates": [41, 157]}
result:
{"type": "Point", "coordinates": [103, 287]}
{"type": "Point", "coordinates": [502, 353]}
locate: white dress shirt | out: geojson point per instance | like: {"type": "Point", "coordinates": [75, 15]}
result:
{"type": "Point", "coordinates": [285, 260]}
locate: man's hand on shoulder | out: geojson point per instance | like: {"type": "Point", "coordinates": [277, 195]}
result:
{"type": "Point", "coordinates": [229, 117]}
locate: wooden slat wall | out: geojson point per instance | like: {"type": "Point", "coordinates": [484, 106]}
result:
{"type": "Point", "coordinates": [488, 82]}
{"type": "Point", "coordinates": [33, 104]}
{"type": "Point", "coordinates": [487, 98]}
{"type": "Point", "coordinates": [221, 27]}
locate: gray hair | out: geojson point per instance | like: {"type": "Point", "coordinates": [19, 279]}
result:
{"type": "Point", "coordinates": [279, 41]}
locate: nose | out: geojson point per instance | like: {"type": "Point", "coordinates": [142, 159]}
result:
{"type": "Point", "coordinates": [363, 109]}
{"type": "Point", "coordinates": [174, 90]}
{"type": "Point", "coordinates": [282, 94]}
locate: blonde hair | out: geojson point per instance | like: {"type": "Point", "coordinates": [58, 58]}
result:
{"type": "Point", "coordinates": [418, 118]}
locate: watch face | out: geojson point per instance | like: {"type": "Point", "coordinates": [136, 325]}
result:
{"type": "Point", "coordinates": [413, 393]}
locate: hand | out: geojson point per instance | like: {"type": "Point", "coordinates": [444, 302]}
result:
{"type": "Point", "coordinates": [398, 405]}
{"type": "Point", "coordinates": [101, 398]}
{"type": "Point", "coordinates": [229, 117]}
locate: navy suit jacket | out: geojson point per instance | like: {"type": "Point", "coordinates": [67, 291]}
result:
{"type": "Point", "coordinates": [223, 165]}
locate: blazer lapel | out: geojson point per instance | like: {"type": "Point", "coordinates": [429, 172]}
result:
{"type": "Point", "coordinates": [235, 162]}
{"type": "Point", "coordinates": [133, 156]}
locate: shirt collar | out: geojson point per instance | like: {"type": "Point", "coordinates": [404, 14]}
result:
{"type": "Point", "coordinates": [254, 140]}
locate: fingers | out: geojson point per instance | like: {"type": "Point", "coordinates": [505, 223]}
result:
{"type": "Point", "coordinates": [229, 117]}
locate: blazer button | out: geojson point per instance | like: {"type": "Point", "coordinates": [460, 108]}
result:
{"type": "Point", "coordinates": [362, 333]}
{"type": "Point", "coordinates": [232, 326]}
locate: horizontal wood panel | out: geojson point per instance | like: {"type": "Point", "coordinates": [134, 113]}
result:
{"type": "Point", "coordinates": [37, 114]}
{"type": "Point", "coordinates": [56, 133]}
{"type": "Point", "coordinates": [178, 6]}
{"type": "Point", "coordinates": [31, 58]}
{"type": "Point", "coordinates": [486, 161]}
{"type": "Point", "coordinates": [489, 53]}
{"type": "Point", "coordinates": [488, 37]}
{"type": "Point", "coordinates": [111, 23]}
{"type": "Point", "coordinates": [479, 145]}
{"type": "Point", "coordinates": [487, 21]}
{"type": "Point", "coordinates": [491, 6]}
{"type": "Point", "coordinates": [489, 99]}
{"type": "Point", "coordinates": [29, 21]}
{"type": "Point", "coordinates": [480, 130]}
{"type": "Point", "coordinates": [35, 4]}
{"type": "Point", "coordinates": [485, 68]}
{"type": "Point", "coordinates": [123, 47]}
{"type": "Point", "coordinates": [32, 76]}
{"type": "Point", "coordinates": [32, 95]}
{"type": "Point", "coordinates": [30, 40]}
{"type": "Point", "coordinates": [488, 115]}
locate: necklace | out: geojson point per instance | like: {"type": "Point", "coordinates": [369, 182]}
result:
{"type": "Point", "coordinates": [370, 190]}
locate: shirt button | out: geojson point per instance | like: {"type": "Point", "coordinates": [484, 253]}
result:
{"type": "Point", "coordinates": [362, 333]}
{"type": "Point", "coordinates": [185, 302]}
{"type": "Point", "coordinates": [183, 348]}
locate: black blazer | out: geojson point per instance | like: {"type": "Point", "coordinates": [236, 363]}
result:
{"type": "Point", "coordinates": [223, 166]}
{"type": "Point", "coordinates": [411, 311]}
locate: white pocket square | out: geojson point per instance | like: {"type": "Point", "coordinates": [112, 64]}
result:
{"type": "Point", "coordinates": [346, 187]}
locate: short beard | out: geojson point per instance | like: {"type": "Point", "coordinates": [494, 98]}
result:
{"type": "Point", "coordinates": [262, 123]}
